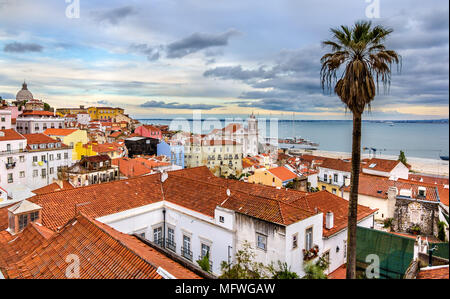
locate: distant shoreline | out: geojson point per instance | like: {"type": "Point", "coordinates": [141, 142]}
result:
{"type": "Point", "coordinates": [425, 121]}
{"type": "Point", "coordinates": [420, 165]}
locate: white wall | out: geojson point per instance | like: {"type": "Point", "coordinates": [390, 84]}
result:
{"type": "Point", "coordinates": [338, 258]}
{"type": "Point", "coordinates": [332, 172]}
{"type": "Point", "coordinates": [200, 228]}
{"type": "Point", "coordinates": [373, 203]}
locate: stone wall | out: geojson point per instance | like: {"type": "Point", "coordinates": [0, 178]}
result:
{"type": "Point", "coordinates": [409, 212]}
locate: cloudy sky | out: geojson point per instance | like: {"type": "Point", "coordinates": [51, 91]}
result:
{"type": "Point", "coordinates": [221, 56]}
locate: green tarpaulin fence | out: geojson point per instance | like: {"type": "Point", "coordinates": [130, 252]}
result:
{"type": "Point", "coordinates": [441, 250]}
{"type": "Point", "coordinates": [394, 252]}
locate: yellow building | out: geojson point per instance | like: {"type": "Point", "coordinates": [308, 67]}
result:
{"type": "Point", "coordinates": [104, 113]}
{"type": "Point", "coordinates": [65, 111]}
{"type": "Point", "coordinates": [84, 150]}
{"type": "Point", "coordinates": [69, 137]}
{"type": "Point", "coordinates": [276, 177]}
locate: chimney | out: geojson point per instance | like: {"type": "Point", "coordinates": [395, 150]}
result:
{"type": "Point", "coordinates": [329, 220]}
{"type": "Point", "coordinates": [392, 199]}
{"type": "Point", "coordinates": [164, 176]}
{"type": "Point", "coordinates": [347, 182]}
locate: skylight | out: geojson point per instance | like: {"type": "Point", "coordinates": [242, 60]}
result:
{"type": "Point", "coordinates": [372, 165]}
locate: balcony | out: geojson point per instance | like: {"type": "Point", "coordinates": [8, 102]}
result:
{"type": "Point", "coordinates": [186, 253]}
{"type": "Point", "coordinates": [159, 242]}
{"type": "Point", "coordinates": [10, 165]}
{"type": "Point", "coordinates": [171, 245]}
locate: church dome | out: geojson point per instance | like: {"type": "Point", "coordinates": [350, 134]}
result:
{"type": "Point", "coordinates": [24, 94]}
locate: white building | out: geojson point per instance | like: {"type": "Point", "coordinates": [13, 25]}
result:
{"type": "Point", "coordinates": [247, 136]}
{"type": "Point", "coordinates": [387, 168]}
{"type": "Point", "coordinates": [5, 119]}
{"type": "Point", "coordinates": [44, 155]}
{"type": "Point", "coordinates": [31, 122]}
{"type": "Point", "coordinates": [13, 167]}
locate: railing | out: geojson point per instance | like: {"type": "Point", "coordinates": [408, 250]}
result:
{"type": "Point", "coordinates": [4, 153]}
{"type": "Point", "coordinates": [186, 253]}
{"type": "Point", "coordinates": [10, 165]}
{"type": "Point", "coordinates": [171, 245]}
{"type": "Point", "coordinates": [159, 242]}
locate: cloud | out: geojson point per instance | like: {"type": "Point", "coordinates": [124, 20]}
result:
{"type": "Point", "coordinates": [175, 105]}
{"type": "Point", "coordinates": [152, 53]}
{"type": "Point", "coordinates": [197, 42]}
{"type": "Point", "coordinates": [16, 47]}
{"type": "Point", "coordinates": [114, 16]}
{"type": "Point", "coordinates": [104, 102]}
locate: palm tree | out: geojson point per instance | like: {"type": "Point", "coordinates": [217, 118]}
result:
{"type": "Point", "coordinates": [364, 59]}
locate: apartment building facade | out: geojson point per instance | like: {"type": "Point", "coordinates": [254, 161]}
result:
{"type": "Point", "coordinates": [32, 122]}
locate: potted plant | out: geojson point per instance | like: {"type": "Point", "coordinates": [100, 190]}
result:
{"type": "Point", "coordinates": [387, 223]}
{"type": "Point", "coordinates": [311, 253]}
{"type": "Point", "coordinates": [415, 229]}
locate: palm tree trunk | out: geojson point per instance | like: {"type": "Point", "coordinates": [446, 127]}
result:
{"type": "Point", "coordinates": [353, 200]}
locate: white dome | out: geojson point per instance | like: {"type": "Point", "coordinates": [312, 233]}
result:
{"type": "Point", "coordinates": [24, 94]}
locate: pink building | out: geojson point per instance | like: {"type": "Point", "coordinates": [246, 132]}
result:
{"type": "Point", "coordinates": [149, 131]}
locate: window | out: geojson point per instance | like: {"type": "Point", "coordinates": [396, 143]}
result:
{"type": "Point", "coordinates": [43, 173]}
{"type": "Point", "coordinates": [22, 159]}
{"type": "Point", "coordinates": [8, 147]}
{"type": "Point", "coordinates": [186, 249]}
{"type": "Point", "coordinates": [221, 219]}
{"type": "Point", "coordinates": [157, 235]}
{"type": "Point", "coordinates": [58, 157]}
{"type": "Point", "coordinates": [43, 158]}
{"type": "Point", "coordinates": [50, 157]}
{"type": "Point", "coordinates": [261, 241]}
{"type": "Point", "coordinates": [23, 221]}
{"type": "Point", "coordinates": [171, 238]}
{"type": "Point", "coordinates": [51, 171]}
{"type": "Point", "coordinates": [309, 238]}
{"type": "Point", "coordinates": [66, 156]}
{"type": "Point", "coordinates": [294, 241]}
{"type": "Point", "coordinates": [324, 188]}
{"type": "Point", "coordinates": [22, 174]}
{"type": "Point", "coordinates": [335, 178]}
{"type": "Point", "coordinates": [325, 177]}
{"type": "Point", "coordinates": [334, 190]}
{"type": "Point", "coordinates": [35, 158]}
{"type": "Point", "coordinates": [35, 173]}
{"type": "Point", "coordinates": [10, 178]}
{"type": "Point", "coordinates": [34, 216]}
{"type": "Point", "coordinates": [205, 250]}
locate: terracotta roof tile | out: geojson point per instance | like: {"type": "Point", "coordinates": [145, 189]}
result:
{"type": "Point", "coordinates": [434, 273]}
{"type": "Point", "coordinates": [10, 134]}
{"type": "Point", "coordinates": [59, 132]}
{"type": "Point", "coordinates": [283, 173]}
{"type": "Point", "coordinates": [103, 253]}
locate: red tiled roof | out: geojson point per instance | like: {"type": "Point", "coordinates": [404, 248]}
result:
{"type": "Point", "coordinates": [383, 165]}
{"type": "Point", "coordinates": [428, 179]}
{"type": "Point", "coordinates": [337, 164]}
{"type": "Point", "coordinates": [137, 166]}
{"type": "Point", "coordinates": [325, 201]}
{"type": "Point", "coordinates": [443, 195]}
{"type": "Point", "coordinates": [109, 255]}
{"type": "Point", "coordinates": [434, 273]}
{"type": "Point", "coordinates": [38, 112]}
{"type": "Point", "coordinates": [39, 138]}
{"type": "Point", "coordinates": [10, 134]}
{"type": "Point", "coordinates": [377, 186]}
{"type": "Point", "coordinates": [339, 273]}
{"type": "Point", "coordinates": [283, 173]}
{"type": "Point", "coordinates": [59, 132]}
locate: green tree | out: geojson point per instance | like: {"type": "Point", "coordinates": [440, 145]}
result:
{"type": "Point", "coordinates": [441, 230]}
{"type": "Point", "coordinates": [402, 157]}
{"type": "Point", "coordinates": [46, 107]}
{"type": "Point", "coordinates": [204, 263]}
{"type": "Point", "coordinates": [283, 271]}
{"type": "Point", "coordinates": [245, 267]}
{"type": "Point", "coordinates": [360, 51]}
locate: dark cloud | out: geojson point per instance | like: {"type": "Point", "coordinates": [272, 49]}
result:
{"type": "Point", "coordinates": [114, 16]}
{"type": "Point", "coordinates": [16, 47]}
{"type": "Point", "coordinates": [151, 53]}
{"type": "Point", "coordinates": [292, 81]}
{"type": "Point", "coordinates": [175, 105]}
{"type": "Point", "coordinates": [197, 42]}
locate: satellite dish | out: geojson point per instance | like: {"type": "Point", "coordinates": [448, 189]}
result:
{"type": "Point", "coordinates": [228, 192]}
